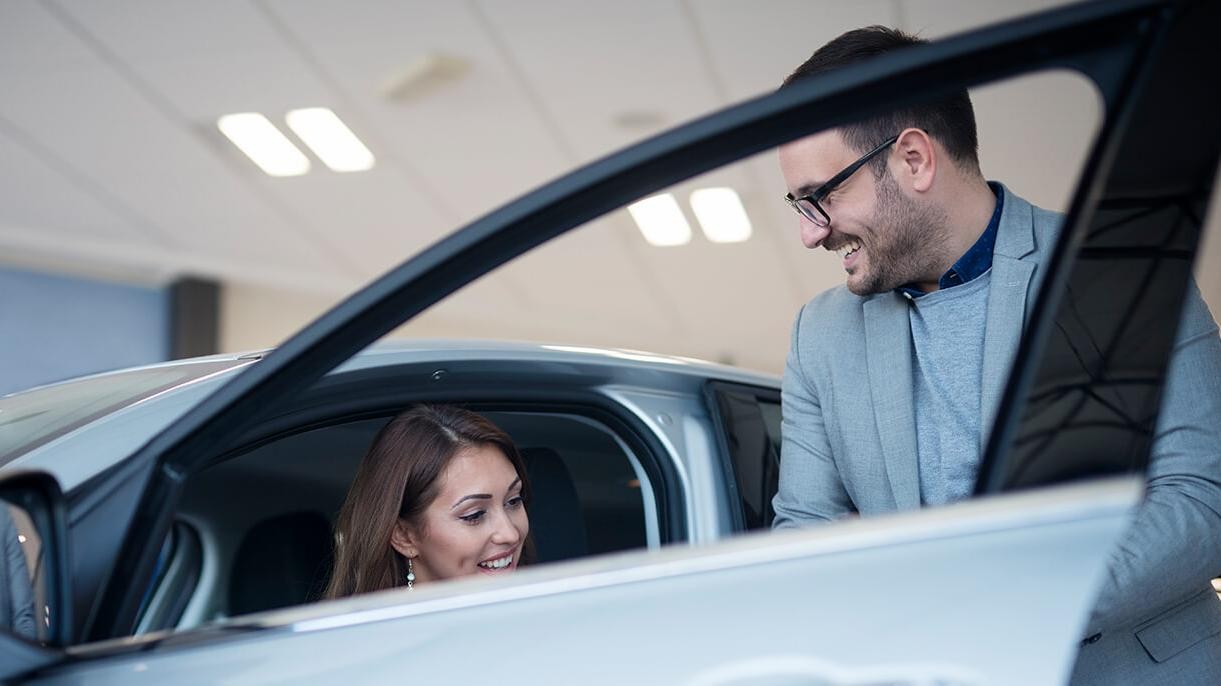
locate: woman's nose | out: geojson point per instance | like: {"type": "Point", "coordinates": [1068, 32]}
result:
{"type": "Point", "coordinates": [505, 531]}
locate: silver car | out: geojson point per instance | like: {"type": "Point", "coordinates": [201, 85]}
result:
{"type": "Point", "coordinates": [181, 512]}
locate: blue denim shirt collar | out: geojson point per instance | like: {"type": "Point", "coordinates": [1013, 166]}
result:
{"type": "Point", "coordinates": [975, 261]}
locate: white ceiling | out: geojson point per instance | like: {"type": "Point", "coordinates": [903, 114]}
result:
{"type": "Point", "coordinates": [110, 162]}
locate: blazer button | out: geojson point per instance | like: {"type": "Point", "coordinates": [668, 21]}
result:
{"type": "Point", "coordinates": [1091, 640]}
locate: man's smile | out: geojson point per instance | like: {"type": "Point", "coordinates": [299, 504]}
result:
{"type": "Point", "coordinates": [849, 251]}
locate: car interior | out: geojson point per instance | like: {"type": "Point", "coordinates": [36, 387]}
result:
{"type": "Point", "coordinates": [254, 532]}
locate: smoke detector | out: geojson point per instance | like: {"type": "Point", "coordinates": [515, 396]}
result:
{"type": "Point", "coordinates": [423, 76]}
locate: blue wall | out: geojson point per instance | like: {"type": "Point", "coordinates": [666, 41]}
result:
{"type": "Point", "coordinates": [56, 327]}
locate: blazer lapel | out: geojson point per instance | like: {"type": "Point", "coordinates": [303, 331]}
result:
{"type": "Point", "coordinates": [889, 350]}
{"type": "Point", "coordinates": [1013, 267]}
{"type": "Point", "coordinates": [1002, 333]}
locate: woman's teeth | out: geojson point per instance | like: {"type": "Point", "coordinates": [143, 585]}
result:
{"type": "Point", "coordinates": [848, 248]}
{"type": "Point", "coordinates": [497, 564]}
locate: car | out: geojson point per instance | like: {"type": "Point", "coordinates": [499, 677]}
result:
{"type": "Point", "coordinates": [182, 509]}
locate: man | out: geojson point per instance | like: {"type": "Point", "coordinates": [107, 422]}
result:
{"type": "Point", "coordinates": [892, 382]}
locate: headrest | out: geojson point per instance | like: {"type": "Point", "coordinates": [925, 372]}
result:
{"type": "Point", "coordinates": [282, 561]}
{"type": "Point", "coordinates": [557, 523]}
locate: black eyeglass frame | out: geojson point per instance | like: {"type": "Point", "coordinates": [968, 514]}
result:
{"type": "Point", "coordinates": [821, 192]}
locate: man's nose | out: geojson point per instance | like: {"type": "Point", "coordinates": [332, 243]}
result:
{"type": "Point", "coordinates": [812, 235]}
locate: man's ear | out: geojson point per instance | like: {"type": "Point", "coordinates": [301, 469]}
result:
{"type": "Point", "coordinates": [917, 160]}
{"type": "Point", "coordinates": [402, 539]}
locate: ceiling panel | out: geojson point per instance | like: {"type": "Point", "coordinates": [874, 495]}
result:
{"type": "Point", "coordinates": [753, 46]}
{"type": "Point", "coordinates": [31, 40]}
{"type": "Point", "coordinates": [472, 143]}
{"type": "Point", "coordinates": [590, 62]}
{"type": "Point", "coordinates": [250, 69]}
{"type": "Point", "coordinates": [593, 276]}
{"type": "Point", "coordinates": [43, 193]}
{"type": "Point", "coordinates": [934, 19]}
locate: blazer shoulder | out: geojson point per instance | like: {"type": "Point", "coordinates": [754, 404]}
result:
{"type": "Point", "coordinates": [834, 304]}
{"type": "Point", "coordinates": [832, 314]}
{"type": "Point", "coordinates": [1047, 225]}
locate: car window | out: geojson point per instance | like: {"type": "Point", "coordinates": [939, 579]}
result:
{"type": "Point", "coordinates": [749, 423]}
{"type": "Point", "coordinates": [254, 532]}
{"type": "Point", "coordinates": [35, 417]}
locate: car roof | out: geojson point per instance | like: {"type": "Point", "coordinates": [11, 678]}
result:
{"type": "Point", "coordinates": [88, 447]}
{"type": "Point", "coordinates": [437, 350]}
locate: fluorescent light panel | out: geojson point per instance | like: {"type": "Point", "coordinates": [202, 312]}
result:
{"type": "Point", "coordinates": [330, 139]}
{"type": "Point", "coordinates": [264, 144]}
{"type": "Point", "coordinates": [661, 220]}
{"type": "Point", "coordinates": [721, 215]}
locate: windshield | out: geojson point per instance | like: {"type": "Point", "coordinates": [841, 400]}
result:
{"type": "Point", "coordinates": [35, 417]}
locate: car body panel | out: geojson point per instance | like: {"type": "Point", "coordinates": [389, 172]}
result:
{"type": "Point", "coordinates": [836, 603]}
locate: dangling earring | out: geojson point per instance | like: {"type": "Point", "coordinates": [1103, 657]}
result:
{"type": "Point", "coordinates": [410, 575]}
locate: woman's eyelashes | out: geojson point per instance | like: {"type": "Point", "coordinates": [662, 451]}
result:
{"type": "Point", "coordinates": [477, 516]}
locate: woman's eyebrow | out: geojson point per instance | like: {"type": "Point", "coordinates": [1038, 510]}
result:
{"type": "Point", "coordinates": [483, 496]}
{"type": "Point", "coordinates": [473, 496]}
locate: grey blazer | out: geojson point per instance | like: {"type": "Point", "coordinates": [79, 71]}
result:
{"type": "Point", "coordinates": [849, 446]}
{"type": "Point", "coordinates": [16, 593]}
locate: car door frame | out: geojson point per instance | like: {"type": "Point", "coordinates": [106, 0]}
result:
{"type": "Point", "coordinates": [1104, 41]}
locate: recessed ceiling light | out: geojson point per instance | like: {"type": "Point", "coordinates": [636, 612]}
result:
{"type": "Point", "coordinates": [721, 215]}
{"type": "Point", "coordinates": [330, 139]}
{"type": "Point", "coordinates": [263, 143]}
{"type": "Point", "coordinates": [661, 220]}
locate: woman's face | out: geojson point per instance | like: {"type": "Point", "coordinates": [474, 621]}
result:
{"type": "Point", "coordinates": [476, 525]}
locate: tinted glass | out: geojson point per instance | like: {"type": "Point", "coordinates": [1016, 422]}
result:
{"type": "Point", "coordinates": [750, 425]}
{"type": "Point", "coordinates": [32, 418]}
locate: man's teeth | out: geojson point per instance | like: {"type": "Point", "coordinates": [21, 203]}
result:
{"type": "Point", "coordinates": [848, 248]}
{"type": "Point", "coordinates": [497, 564]}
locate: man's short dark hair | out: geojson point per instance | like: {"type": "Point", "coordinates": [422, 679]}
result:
{"type": "Point", "coordinates": [950, 121]}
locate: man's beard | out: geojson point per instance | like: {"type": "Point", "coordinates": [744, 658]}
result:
{"type": "Point", "coordinates": [909, 240]}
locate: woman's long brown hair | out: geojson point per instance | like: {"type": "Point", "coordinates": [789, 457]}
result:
{"type": "Point", "coordinates": [398, 479]}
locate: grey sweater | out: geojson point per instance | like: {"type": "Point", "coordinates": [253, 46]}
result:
{"type": "Point", "coordinates": [948, 349]}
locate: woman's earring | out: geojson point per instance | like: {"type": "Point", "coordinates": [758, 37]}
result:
{"type": "Point", "coordinates": [410, 575]}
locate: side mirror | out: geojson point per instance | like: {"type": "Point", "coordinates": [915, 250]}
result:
{"type": "Point", "coordinates": [35, 597]}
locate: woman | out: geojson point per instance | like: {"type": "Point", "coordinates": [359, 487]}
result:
{"type": "Point", "coordinates": [442, 493]}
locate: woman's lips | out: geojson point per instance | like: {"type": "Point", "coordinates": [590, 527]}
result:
{"type": "Point", "coordinates": [488, 566]}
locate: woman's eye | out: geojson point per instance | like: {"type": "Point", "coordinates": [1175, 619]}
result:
{"type": "Point", "coordinates": [515, 501]}
{"type": "Point", "coordinates": [474, 517]}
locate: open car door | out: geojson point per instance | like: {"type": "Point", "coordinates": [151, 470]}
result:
{"type": "Point", "coordinates": [993, 591]}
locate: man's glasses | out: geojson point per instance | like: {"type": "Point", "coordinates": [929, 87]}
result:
{"type": "Point", "coordinates": [810, 206]}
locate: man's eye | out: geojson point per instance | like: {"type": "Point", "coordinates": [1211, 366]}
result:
{"type": "Point", "coordinates": [474, 517]}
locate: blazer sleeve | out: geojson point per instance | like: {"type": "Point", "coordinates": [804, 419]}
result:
{"type": "Point", "coordinates": [16, 578]}
{"type": "Point", "coordinates": [811, 489]}
{"type": "Point", "coordinates": [1172, 548]}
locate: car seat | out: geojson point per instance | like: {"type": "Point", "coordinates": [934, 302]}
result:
{"type": "Point", "coordinates": [557, 523]}
{"type": "Point", "coordinates": [284, 560]}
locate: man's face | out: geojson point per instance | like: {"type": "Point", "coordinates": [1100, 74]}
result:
{"type": "Point", "coordinates": [885, 239]}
